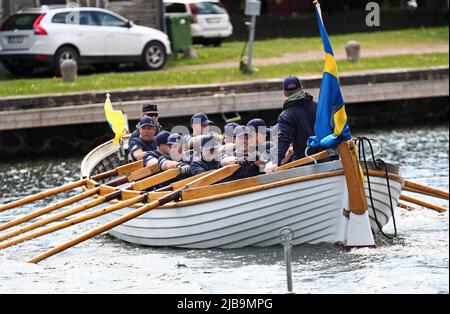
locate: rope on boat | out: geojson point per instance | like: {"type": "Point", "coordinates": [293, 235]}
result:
{"type": "Point", "coordinates": [379, 165]}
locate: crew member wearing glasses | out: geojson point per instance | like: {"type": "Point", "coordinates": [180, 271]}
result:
{"type": "Point", "coordinates": [149, 110]}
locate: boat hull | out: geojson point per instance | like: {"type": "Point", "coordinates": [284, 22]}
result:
{"type": "Point", "coordinates": [315, 209]}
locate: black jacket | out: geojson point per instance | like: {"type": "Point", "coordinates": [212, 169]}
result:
{"type": "Point", "coordinates": [296, 124]}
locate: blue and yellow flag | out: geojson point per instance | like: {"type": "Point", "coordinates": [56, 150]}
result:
{"type": "Point", "coordinates": [116, 120]}
{"type": "Point", "coordinates": [331, 127]}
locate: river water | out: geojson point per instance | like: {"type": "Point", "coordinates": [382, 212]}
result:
{"type": "Point", "coordinates": [417, 261]}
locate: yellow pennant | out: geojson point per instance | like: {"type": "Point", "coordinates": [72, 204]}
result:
{"type": "Point", "coordinates": [116, 120]}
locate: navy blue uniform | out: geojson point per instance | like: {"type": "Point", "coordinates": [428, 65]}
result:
{"type": "Point", "coordinates": [137, 143]}
{"type": "Point", "coordinates": [296, 124]}
{"type": "Point", "coordinates": [154, 154]}
{"type": "Point", "coordinates": [198, 167]}
{"type": "Point", "coordinates": [246, 171]}
{"type": "Point", "coordinates": [163, 159]}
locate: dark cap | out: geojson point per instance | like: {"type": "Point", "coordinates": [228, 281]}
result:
{"type": "Point", "coordinates": [292, 83]}
{"type": "Point", "coordinates": [146, 121]}
{"type": "Point", "coordinates": [149, 107]}
{"type": "Point", "coordinates": [241, 130]}
{"type": "Point", "coordinates": [200, 118]}
{"type": "Point", "coordinates": [256, 124]}
{"type": "Point", "coordinates": [174, 139]}
{"type": "Point", "coordinates": [229, 128]}
{"type": "Point", "coordinates": [209, 141]}
{"type": "Point", "coordinates": [162, 137]}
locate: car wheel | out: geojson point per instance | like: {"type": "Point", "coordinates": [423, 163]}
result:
{"type": "Point", "coordinates": [18, 70]}
{"type": "Point", "coordinates": [65, 53]}
{"type": "Point", "coordinates": [154, 56]}
{"type": "Point", "coordinates": [217, 42]}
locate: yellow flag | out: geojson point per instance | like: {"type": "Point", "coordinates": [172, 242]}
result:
{"type": "Point", "coordinates": [116, 120]}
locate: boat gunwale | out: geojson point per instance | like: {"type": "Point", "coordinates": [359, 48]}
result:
{"type": "Point", "coordinates": [235, 191]}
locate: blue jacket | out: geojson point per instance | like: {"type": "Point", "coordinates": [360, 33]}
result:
{"type": "Point", "coordinates": [161, 160]}
{"type": "Point", "coordinates": [198, 167]}
{"type": "Point", "coordinates": [296, 124]}
{"type": "Point", "coordinates": [136, 143]}
{"type": "Point", "coordinates": [154, 154]}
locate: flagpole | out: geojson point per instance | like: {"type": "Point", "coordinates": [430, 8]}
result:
{"type": "Point", "coordinates": [317, 4]}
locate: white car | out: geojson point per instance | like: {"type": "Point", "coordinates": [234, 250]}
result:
{"type": "Point", "coordinates": [46, 36]}
{"type": "Point", "coordinates": [210, 20]}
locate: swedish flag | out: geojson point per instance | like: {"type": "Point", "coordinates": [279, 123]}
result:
{"type": "Point", "coordinates": [331, 127]}
{"type": "Point", "coordinates": [116, 120]}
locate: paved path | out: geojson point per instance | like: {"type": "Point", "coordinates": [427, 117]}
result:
{"type": "Point", "coordinates": [314, 56]}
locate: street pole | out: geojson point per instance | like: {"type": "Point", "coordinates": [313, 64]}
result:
{"type": "Point", "coordinates": [252, 9]}
{"type": "Point", "coordinates": [251, 40]}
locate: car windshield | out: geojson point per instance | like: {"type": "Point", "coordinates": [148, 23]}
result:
{"type": "Point", "coordinates": [208, 8]}
{"type": "Point", "coordinates": [20, 21]}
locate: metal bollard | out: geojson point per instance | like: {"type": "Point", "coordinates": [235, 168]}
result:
{"type": "Point", "coordinates": [69, 69]}
{"type": "Point", "coordinates": [353, 49]}
{"type": "Point", "coordinates": [286, 235]}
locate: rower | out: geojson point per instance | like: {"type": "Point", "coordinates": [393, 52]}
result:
{"type": "Point", "coordinates": [229, 139]}
{"type": "Point", "coordinates": [174, 157]}
{"type": "Point", "coordinates": [151, 158]}
{"type": "Point", "coordinates": [258, 131]}
{"type": "Point", "coordinates": [210, 146]}
{"type": "Point", "coordinates": [149, 110]}
{"type": "Point", "coordinates": [146, 140]}
{"type": "Point", "coordinates": [250, 164]}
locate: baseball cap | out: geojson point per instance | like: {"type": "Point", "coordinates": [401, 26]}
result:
{"type": "Point", "coordinates": [241, 130]}
{"type": "Point", "coordinates": [146, 121]}
{"type": "Point", "coordinates": [162, 137]}
{"type": "Point", "coordinates": [173, 139]}
{"type": "Point", "coordinates": [229, 128]}
{"type": "Point", "coordinates": [255, 124]}
{"type": "Point", "coordinates": [200, 118]}
{"type": "Point", "coordinates": [291, 83]}
{"type": "Point", "coordinates": [209, 142]}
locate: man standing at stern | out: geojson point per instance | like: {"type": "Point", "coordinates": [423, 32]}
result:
{"type": "Point", "coordinates": [296, 122]}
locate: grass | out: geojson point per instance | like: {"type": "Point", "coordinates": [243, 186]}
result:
{"type": "Point", "coordinates": [277, 47]}
{"type": "Point", "coordinates": [111, 81]}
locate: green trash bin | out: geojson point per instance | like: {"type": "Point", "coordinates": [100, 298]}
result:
{"type": "Point", "coordinates": [179, 31]}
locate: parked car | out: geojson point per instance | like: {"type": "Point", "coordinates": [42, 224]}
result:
{"type": "Point", "coordinates": [46, 36]}
{"type": "Point", "coordinates": [210, 22]}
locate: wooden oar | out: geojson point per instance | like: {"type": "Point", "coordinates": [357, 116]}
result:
{"type": "Point", "coordinates": [49, 209]}
{"type": "Point", "coordinates": [155, 179]}
{"type": "Point", "coordinates": [70, 186]}
{"type": "Point", "coordinates": [74, 221]}
{"type": "Point", "coordinates": [209, 179]}
{"type": "Point", "coordinates": [407, 207]}
{"type": "Point", "coordinates": [67, 213]}
{"type": "Point", "coordinates": [136, 175]}
{"type": "Point", "coordinates": [303, 161]}
{"type": "Point", "coordinates": [97, 213]}
{"type": "Point", "coordinates": [39, 196]}
{"type": "Point", "coordinates": [416, 201]}
{"type": "Point", "coordinates": [423, 189]}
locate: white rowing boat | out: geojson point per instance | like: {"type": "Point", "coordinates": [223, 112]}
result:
{"type": "Point", "coordinates": [311, 200]}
